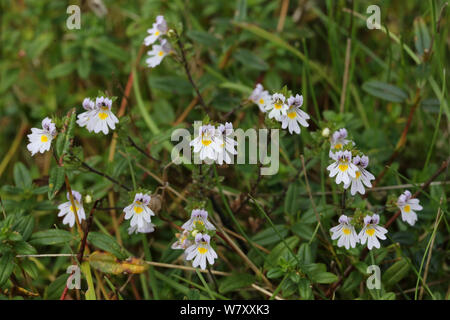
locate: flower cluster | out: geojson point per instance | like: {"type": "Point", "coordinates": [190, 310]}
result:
{"type": "Point", "coordinates": [370, 233]}
{"type": "Point", "coordinates": [347, 167]}
{"type": "Point", "coordinates": [196, 239]}
{"type": "Point", "coordinates": [408, 206]}
{"type": "Point", "coordinates": [216, 144]}
{"type": "Point", "coordinates": [140, 214]}
{"type": "Point", "coordinates": [98, 116]}
{"type": "Point", "coordinates": [158, 51]}
{"type": "Point", "coordinates": [287, 111]}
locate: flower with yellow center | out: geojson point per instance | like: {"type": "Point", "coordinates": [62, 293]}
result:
{"type": "Point", "coordinates": [294, 115]}
{"type": "Point", "coordinates": [99, 117]}
{"type": "Point", "coordinates": [139, 212]}
{"type": "Point", "coordinates": [199, 218]}
{"type": "Point", "coordinates": [345, 232]}
{"type": "Point", "coordinates": [158, 29]}
{"type": "Point", "coordinates": [260, 97]}
{"type": "Point", "coordinates": [67, 211]}
{"type": "Point", "coordinates": [41, 139]}
{"type": "Point", "coordinates": [206, 143]}
{"type": "Point", "coordinates": [201, 251]}
{"type": "Point", "coordinates": [342, 168]}
{"type": "Point", "coordinates": [362, 176]}
{"type": "Point", "coordinates": [408, 207]}
{"type": "Point", "coordinates": [277, 106]}
{"type": "Point", "coordinates": [372, 232]}
{"type": "Point", "coordinates": [158, 52]}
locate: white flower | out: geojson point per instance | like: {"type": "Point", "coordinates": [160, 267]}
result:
{"type": "Point", "coordinates": [338, 141]}
{"type": "Point", "coordinates": [158, 29]}
{"type": "Point", "coordinates": [261, 97]}
{"type": "Point", "coordinates": [201, 251]}
{"type": "Point", "coordinates": [362, 176]}
{"type": "Point", "coordinates": [83, 118]}
{"type": "Point", "coordinates": [345, 232]}
{"type": "Point", "coordinates": [343, 167]}
{"type": "Point", "coordinates": [182, 242]}
{"type": "Point", "coordinates": [408, 207]}
{"type": "Point", "coordinates": [294, 115]}
{"type": "Point", "coordinates": [147, 228]}
{"type": "Point", "coordinates": [98, 117]}
{"type": "Point", "coordinates": [66, 209]}
{"type": "Point", "coordinates": [226, 143]}
{"type": "Point", "coordinates": [41, 139]}
{"type": "Point", "coordinates": [138, 211]}
{"type": "Point", "coordinates": [325, 132]}
{"type": "Point", "coordinates": [199, 217]}
{"type": "Point", "coordinates": [206, 143]}
{"type": "Point", "coordinates": [372, 231]}
{"type": "Point", "coordinates": [158, 53]}
{"type": "Point", "coordinates": [277, 106]}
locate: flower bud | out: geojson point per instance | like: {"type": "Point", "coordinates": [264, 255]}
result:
{"type": "Point", "coordinates": [87, 199]}
{"type": "Point", "coordinates": [326, 133]}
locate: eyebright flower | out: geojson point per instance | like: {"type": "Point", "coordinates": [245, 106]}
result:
{"type": "Point", "coordinates": [83, 118]}
{"type": "Point", "coordinates": [158, 29]}
{"type": "Point", "coordinates": [261, 97]}
{"type": "Point", "coordinates": [158, 52]}
{"type": "Point", "coordinates": [277, 106]}
{"type": "Point", "coordinates": [201, 251]}
{"type": "Point", "coordinates": [338, 140]}
{"type": "Point", "coordinates": [345, 232]}
{"type": "Point", "coordinates": [343, 167]}
{"type": "Point", "coordinates": [66, 209]}
{"type": "Point", "coordinates": [98, 117]}
{"type": "Point", "coordinates": [206, 142]}
{"type": "Point", "coordinates": [182, 242]}
{"type": "Point", "coordinates": [199, 217]}
{"type": "Point", "coordinates": [408, 207]}
{"type": "Point", "coordinates": [226, 143]}
{"type": "Point", "coordinates": [41, 139]}
{"type": "Point", "coordinates": [372, 231]}
{"type": "Point", "coordinates": [147, 228]}
{"type": "Point", "coordinates": [362, 176]}
{"type": "Point", "coordinates": [138, 211]}
{"type": "Point", "coordinates": [294, 115]}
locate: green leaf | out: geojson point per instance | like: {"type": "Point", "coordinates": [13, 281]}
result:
{"type": "Point", "coordinates": [51, 237]}
{"type": "Point", "coordinates": [203, 37]}
{"type": "Point", "coordinates": [30, 267]}
{"type": "Point", "coordinates": [291, 200]}
{"type": "Point", "coordinates": [303, 230]}
{"type": "Point", "coordinates": [279, 250]}
{"type": "Point", "coordinates": [235, 281]}
{"type": "Point", "coordinates": [304, 253]}
{"type": "Point", "coordinates": [55, 181]}
{"type": "Point", "coordinates": [84, 68]}
{"type": "Point", "coordinates": [250, 60]}
{"type": "Point", "coordinates": [22, 247]}
{"type": "Point", "coordinates": [385, 91]}
{"type": "Point", "coordinates": [22, 177]}
{"type": "Point", "coordinates": [305, 290]}
{"type": "Point", "coordinates": [388, 296]}
{"type": "Point", "coordinates": [324, 277]}
{"type": "Point", "coordinates": [61, 70]}
{"type": "Point", "coordinates": [396, 272]}
{"type": "Point", "coordinates": [90, 292]}
{"type": "Point", "coordinates": [107, 243]}
{"type": "Point", "coordinates": [24, 226]}
{"type": "Point", "coordinates": [56, 288]}
{"type": "Point", "coordinates": [108, 48]}
{"type": "Point", "coordinates": [6, 267]}
{"type": "Point", "coordinates": [269, 235]}
{"type": "Point", "coordinates": [422, 39]}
